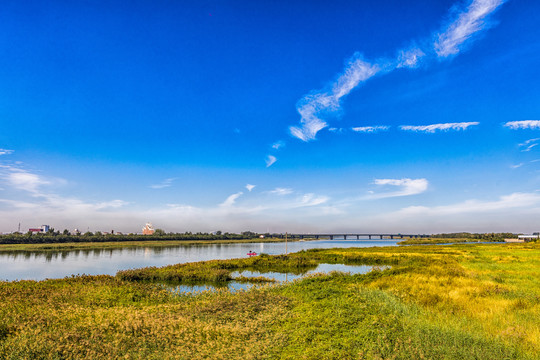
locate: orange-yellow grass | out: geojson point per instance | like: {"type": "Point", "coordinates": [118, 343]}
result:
{"type": "Point", "coordinates": [100, 317]}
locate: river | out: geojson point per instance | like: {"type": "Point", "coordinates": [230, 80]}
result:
{"type": "Point", "coordinates": [23, 265]}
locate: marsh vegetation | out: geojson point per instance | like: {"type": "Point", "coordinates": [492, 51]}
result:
{"type": "Point", "coordinates": [438, 302]}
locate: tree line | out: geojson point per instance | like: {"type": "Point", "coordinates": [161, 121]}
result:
{"type": "Point", "coordinates": [478, 236]}
{"type": "Point", "coordinates": [65, 236]}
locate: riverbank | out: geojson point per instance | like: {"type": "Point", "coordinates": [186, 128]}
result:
{"type": "Point", "coordinates": [453, 302]}
{"type": "Point", "coordinates": [126, 244]}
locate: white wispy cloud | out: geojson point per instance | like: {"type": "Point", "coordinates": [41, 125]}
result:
{"type": "Point", "coordinates": [311, 199]}
{"type": "Point", "coordinates": [370, 129]}
{"type": "Point", "coordinates": [270, 160]}
{"type": "Point", "coordinates": [23, 180]}
{"type": "Point", "coordinates": [34, 203]}
{"type": "Point", "coordinates": [523, 124]}
{"type": "Point", "coordinates": [250, 187]}
{"type": "Point", "coordinates": [527, 142]}
{"type": "Point", "coordinates": [231, 199]}
{"type": "Point", "coordinates": [114, 204]}
{"type": "Point", "coordinates": [514, 200]}
{"type": "Point", "coordinates": [516, 166]}
{"type": "Point", "coordinates": [528, 146]}
{"type": "Point", "coordinates": [6, 152]}
{"type": "Point", "coordinates": [442, 127]}
{"type": "Point", "coordinates": [336, 130]}
{"type": "Point", "coordinates": [164, 184]}
{"type": "Point", "coordinates": [281, 191]}
{"type": "Point", "coordinates": [406, 187]}
{"type": "Point", "coordinates": [278, 145]}
{"type": "Point", "coordinates": [45, 204]}
{"type": "Point", "coordinates": [464, 25]}
{"type": "Point", "coordinates": [409, 58]}
{"type": "Point", "coordinates": [311, 107]}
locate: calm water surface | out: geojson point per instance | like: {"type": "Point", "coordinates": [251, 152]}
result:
{"type": "Point", "coordinates": [59, 264]}
{"type": "Point", "coordinates": [277, 276]}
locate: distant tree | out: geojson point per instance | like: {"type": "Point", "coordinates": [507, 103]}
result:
{"type": "Point", "coordinates": [98, 233]}
{"type": "Point", "coordinates": [218, 232]}
{"type": "Point", "coordinates": [65, 232]}
{"type": "Point", "coordinates": [88, 233]}
{"type": "Point", "coordinates": [159, 232]}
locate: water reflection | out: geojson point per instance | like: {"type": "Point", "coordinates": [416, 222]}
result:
{"type": "Point", "coordinates": [278, 277]}
{"type": "Point", "coordinates": [23, 265]}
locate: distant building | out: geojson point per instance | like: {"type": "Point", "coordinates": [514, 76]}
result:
{"type": "Point", "coordinates": [43, 229]}
{"type": "Point", "coordinates": [528, 238]}
{"type": "Point", "coordinates": [524, 238]}
{"type": "Point", "coordinates": [148, 229]}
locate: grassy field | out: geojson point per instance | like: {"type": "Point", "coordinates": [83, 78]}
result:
{"type": "Point", "coordinates": [433, 241]}
{"type": "Point", "coordinates": [123, 244]}
{"type": "Point", "coordinates": [466, 301]}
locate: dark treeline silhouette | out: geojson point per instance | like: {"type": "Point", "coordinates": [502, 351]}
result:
{"type": "Point", "coordinates": [52, 237]}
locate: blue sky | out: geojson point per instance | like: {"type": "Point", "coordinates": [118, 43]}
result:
{"type": "Point", "coordinates": [346, 116]}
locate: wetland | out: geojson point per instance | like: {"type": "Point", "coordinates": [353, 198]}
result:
{"type": "Point", "coordinates": [439, 302]}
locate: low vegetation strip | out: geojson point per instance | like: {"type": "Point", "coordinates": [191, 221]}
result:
{"type": "Point", "coordinates": [112, 244]}
{"type": "Point", "coordinates": [461, 301]}
{"type": "Point", "coordinates": [435, 241]}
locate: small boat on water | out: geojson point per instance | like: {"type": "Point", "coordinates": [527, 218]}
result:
{"type": "Point", "coordinates": [252, 253]}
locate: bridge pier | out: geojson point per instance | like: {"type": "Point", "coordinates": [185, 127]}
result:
{"type": "Point", "coordinates": [392, 237]}
{"type": "Point", "coordinates": [331, 237]}
{"type": "Point", "coordinates": [369, 237]}
{"type": "Point", "coordinates": [381, 237]}
{"type": "Point", "coordinates": [344, 237]}
{"type": "Point", "coordinates": [357, 237]}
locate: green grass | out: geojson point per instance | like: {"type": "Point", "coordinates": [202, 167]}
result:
{"type": "Point", "coordinates": [432, 241]}
{"type": "Point", "coordinates": [466, 301]}
{"type": "Point", "coordinates": [215, 271]}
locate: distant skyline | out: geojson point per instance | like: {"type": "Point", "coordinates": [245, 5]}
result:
{"type": "Point", "coordinates": [418, 117]}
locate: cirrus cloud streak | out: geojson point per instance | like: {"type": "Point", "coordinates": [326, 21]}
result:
{"type": "Point", "coordinates": [464, 25]}
{"type": "Point", "coordinates": [439, 127]}
{"type": "Point", "coordinates": [406, 187]}
{"type": "Point", "coordinates": [523, 124]}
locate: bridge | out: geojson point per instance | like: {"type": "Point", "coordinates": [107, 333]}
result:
{"type": "Point", "coordinates": [369, 236]}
